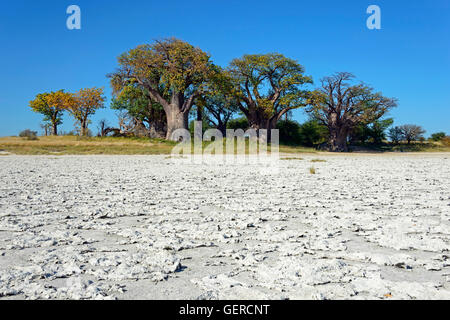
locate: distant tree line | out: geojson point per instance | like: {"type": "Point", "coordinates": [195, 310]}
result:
{"type": "Point", "coordinates": [159, 87]}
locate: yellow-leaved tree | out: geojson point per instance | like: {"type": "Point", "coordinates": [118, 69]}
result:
{"type": "Point", "coordinates": [52, 105]}
{"type": "Point", "coordinates": [85, 103]}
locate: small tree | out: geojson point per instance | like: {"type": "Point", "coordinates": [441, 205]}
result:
{"type": "Point", "coordinates": [84, 104]}
{"type": "Point", "coordinates": [52, 105]}
{"type": "Point", "coordinates": [395, 134]}
{"type": "Point", "coordinates": [412, 132]}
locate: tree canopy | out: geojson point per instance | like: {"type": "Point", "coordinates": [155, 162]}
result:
{"type": "Point", "coordinates": [172, 71]}
{"type": "Point", "coordinates": [267, 86]}
{"type": "Point", "coordinates": [341, 105]}
{"type": "Point", "coordinates": [84, 104]}
{"type": "Point", "coordinates": [52, 105]}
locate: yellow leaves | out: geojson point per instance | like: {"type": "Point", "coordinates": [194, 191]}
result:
{"type": "Point", "coordinates": [165, 65]}
{"type": "Point", "coordinates": [86, 101]}
{"type": "Point", "coordinates": [80, 104]}
{"type": "Point", "coordinates": [50, 104]}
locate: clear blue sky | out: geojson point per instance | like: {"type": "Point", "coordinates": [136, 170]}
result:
{"type": "Point", "coordinates": [409, 58]}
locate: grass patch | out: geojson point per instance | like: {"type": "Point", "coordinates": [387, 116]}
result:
{"type": "Point", "coordinates": [291, 158]}
{"type": "Point", "coordinates": [75, 145]}
{"type": "Point", "coordinates": [312, 170]}
{"type": "Point", "coordinates": [426, 146]}
{"type": "Point", "coordinates": [318, 160]}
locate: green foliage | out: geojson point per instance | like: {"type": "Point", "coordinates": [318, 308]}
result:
{"type": "Point", "coordinates": [438, 136]}
{"type": "Point", "coordinates": [238, 123]}
{"type": "Point", "coordinates": [267, 86]}
{"type": "Point", "coordinates": [289, 132]}
{"type": "Point", "coordinates": [342, 106]}
{"type": "Point", "coordinates": [166, 68]}
{"type": "Point", "coordinates": [395, 134]}
{"type": "Point", "coordinates": [312, 133]}
{"type": "Point", "coordinates": [372, 133]}
{"type": "Point", "coordinates": [137, 103]}
{"type": "Point", "coordinates": [205, 126]}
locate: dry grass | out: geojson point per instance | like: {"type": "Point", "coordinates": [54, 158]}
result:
{"type": "Point", "coordinates": [65, 145]}
{"type": "Point", "coordinates": [73, 145]}
{"type": "Point", "coordinates": [446, 142]}
{"type": "Point", "coordinates": [312, 170]}
{"type": "Point", "coordinates": [293, 158]}
{"type": "Point", "coordinates": [318, 160]}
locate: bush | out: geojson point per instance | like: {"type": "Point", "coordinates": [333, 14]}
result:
{"type": "Point", "coordinates": [238, 123]}
{"type": "Point", "coordinates": [289, 132]}
{"type": "Point", "coordinates": [446, 141]}
{"type": "Point", "coordinates": [28, 134]}
{"type": "Point", "coordinates": [312, 133]}
{"type": "Point", "coordinates": [438, 136]}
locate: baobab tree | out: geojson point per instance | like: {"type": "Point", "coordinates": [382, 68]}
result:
{"type": "Point", "coordinates": [411, 132]}
{"type": "Point", "coordinates": [267, 86]}
{"type": "Point", "coordinates": [341, 106]}
{"type": "Point", "coordinates": [172, 71]}
{"type": "Point", "coordinates": [52, 105]}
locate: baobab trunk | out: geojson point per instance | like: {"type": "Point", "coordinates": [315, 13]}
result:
{"type": "Point", "coordinates": [338, 140]}
{"type": "Point", "coordinates": [175, 120]}
{"type": "Point", "coordinates": [83, 129]}
{"type": "Point", "coordinates": [55, 129]}
{"type": "Point", "coordinates": [267, 124]}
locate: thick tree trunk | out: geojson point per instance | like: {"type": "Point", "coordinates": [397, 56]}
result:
{"type": "Point", "coordinates": [338, 140]}
{"type": "Point", "coordinates": [55, 129]}
{"type": "Point", "coordinates": [83, 129]}
{"type": "Point", "coordinates": [175, 120]}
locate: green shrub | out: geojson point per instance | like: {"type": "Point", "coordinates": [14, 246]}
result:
{"type": "Point", "coordinates": [238, 123]}
{"type": "Point", "coordinates": [312, 133]}
{"type": "Point", "coordinates": [289, 132]}
{"type": "Point", "coordinates": [438, 136]}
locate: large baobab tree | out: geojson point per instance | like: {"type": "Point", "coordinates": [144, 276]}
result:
{"type": "Point", "coordinates": [52, 105]}
{"type": "Point", "coordinates": [267, 86]}
{"type": "Point", "coordinates": [172, 71]}
{"type": "Point", "coordinates": [341, 106]}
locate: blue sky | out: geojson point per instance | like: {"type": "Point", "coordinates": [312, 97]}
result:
{"type": "Point", "coordinates": [409, 58]}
